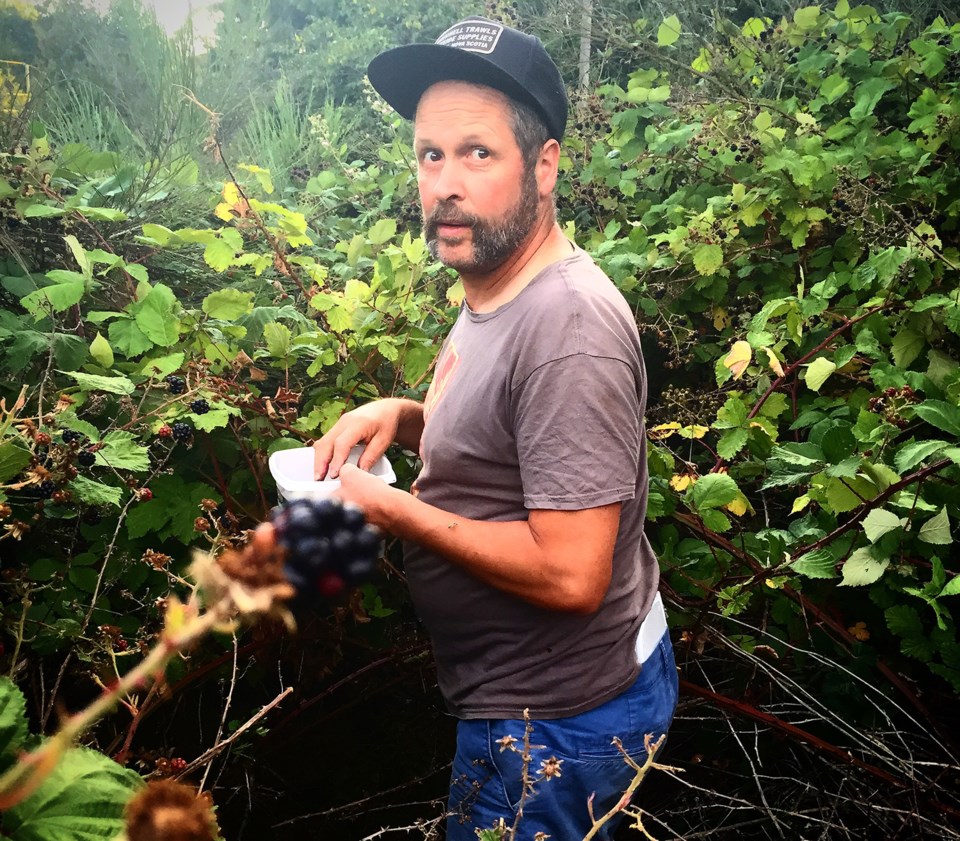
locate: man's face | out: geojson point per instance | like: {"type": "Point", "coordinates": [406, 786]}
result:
{"type": "Point", "coordinates": [479, 200]}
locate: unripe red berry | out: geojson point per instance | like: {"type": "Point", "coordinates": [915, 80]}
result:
{"type": "Point", "coordinates": [42, 438]}
{"type": "Point", "coordinates": [145, 494]}
{"type": "Point", "coordinates": [165, 431]}
{"type": "Point", "coordinates": [201, 524]}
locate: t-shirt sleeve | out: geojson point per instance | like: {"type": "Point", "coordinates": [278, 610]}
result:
{"type": "Point", "coordinates": [577, 427]}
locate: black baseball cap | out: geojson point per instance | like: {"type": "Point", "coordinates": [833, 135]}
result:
{"type": "Point", "coordinates": [476, 50]}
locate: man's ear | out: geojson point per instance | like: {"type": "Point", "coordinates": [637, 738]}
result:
{"type": "Point", "coordinates": [547, 167]}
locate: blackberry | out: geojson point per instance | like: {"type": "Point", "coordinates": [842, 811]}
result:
{"type": "Point", "coordinates": [328, 545]}
{"type": "Point", "coordinates": [199, 407]}
{"type": "Point", "coordinates": [182, 431]}
{"type": "Point", "coordinates": [69, 436]}
{"type": "Point", "coordinates": [47, 489]}
{"type": "Point", "coordinates": [177, 385]}
{"type": "Point", "coordinates": [86, 458]}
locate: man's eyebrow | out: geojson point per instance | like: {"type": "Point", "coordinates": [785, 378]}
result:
{"type": "Point", "coordinates": [468, 141]}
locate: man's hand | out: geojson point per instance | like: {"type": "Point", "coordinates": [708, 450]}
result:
{"type": "Point", "coordinates": [374, 496]}
{"type": "Point", "coordinates": [377, 424]}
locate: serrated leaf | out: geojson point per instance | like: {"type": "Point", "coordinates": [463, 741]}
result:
{"type": "Point", "coordinates": [668, 32]}
{"type": "Point", "coordinates": [13, 721]}
{"type": "Point", "coordinates": [54, 298]}
{"type": "Point", "coordinates": [879, 522]}
{"type": "Point", "coordinates": [906, 347]}
{"type": "Point", "coordinates": [818, 372]}
{"type": "Point", "coordinates": [228, 304]}
{"type": "Point", "coordinates": [262, 175]}
{"type": "Point", "coordinates": [219, 255]}
{"type": "Point", "coordinates": [13, 458]}
{"type": "Point", "coordinates": [937, 529]}
{"type": "Point", "coordinates": [862, 568]}
{"type": "Point", "coordinates": [218, 416]}
{"type": "Point", "coordinates": [173, 509]}
{"type": "Point", "coordinates": [912, 454]}
{"type": "Point", "coordinates": [83, 799]}
{"type": "Point", "coordinates": [162, 366]}
{"type": "Point", "coordinates": [95, 493]}
{"type": "Point", "coordinates": [382, 231]}
{"type": "Point", "coordinates": [101, 351]}
{"type": "Point", "coordinates": [952, 587]}
{"type": "Point", "coordinates": [713, 491]}
{"type": "Point", "coordinates": [816, 564]}
{"type": "Point", "coordinates": [867, 95]}
{"type": "Point", "coordinates": [94, 382]}
{"type": "Point", "coordinates": [940, 414]}
{"type": "Point", "coordinates": [707, 258]}
{"type": "Point", "coordinates": [715, 520]}
{"type": "Point", "coordinates": [833, 87]}
{"type": "Point", "coordinates": [731, 442]}
{"type": "Point", "coordinates": [122, 451]}
{"type": "Point", "coordinates": [155, 316]}
{"type": "Point", "coordinates": [68, 420]}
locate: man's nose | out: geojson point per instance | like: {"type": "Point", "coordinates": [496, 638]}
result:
{"type": "Point", "coordinates": [449, 182]}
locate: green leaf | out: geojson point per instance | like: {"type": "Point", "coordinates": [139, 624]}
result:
{"type": "Point", "coordinates": [937, 529]}
{"type": "Point", "coordinates": [162, 366]}
{"type": "Point", "coordinates": [940, 414]}
{"type": "Point", "coordinates": [912, 454]}
{"type": "Point", "coordinates": [95, 493]}
{"type": "Point", "coordinates": [816, 564]}
{"type": "Point", "coordinates": [172, 511]}
{"type": "Point", "coordinates": [669, 31]}
{"type": "Point", "coordinates": [867, 95]}
{"type": "Point", "coordinates": [382, 231]}
{"type": "Point", "coordinates": [707, 258]}
{"type": "Point", "coordinates": [906, 347]}
{"type": "Point", "coordinates": [862, 568]}
{"type": "Point", "coordinates": [262, 175]}
{"type": "Point", "coordinates": [159, 233]}
{"type": "Point", "coordinates": [101, 351]}
{"type": "Point", "coordinates": [122, 451]}
{"type": "Point", "coordinates": [68, 420]}
{"type": "Point", "coordinates": [715, 520]}
{"type": "Point", "coordinates": [838, 443]}
{"type": "Point", "coordinates": [807, 17]}
{"type": "Point", "coordinates": [155, 316]}
{"type": "Point", "coordinates": [83, 799]}
{"type": "Point", "coordinates": [879, 522]}
{"type": "Point", "coordinates": [732, 415]}
{"type": "Point", "coordinates": [277, 337]}
{"type": "Point", "coordinates": [833, 87]}
{"type": "Point", "coordinates": [219, 255]}
{"type": "Point", "coordinates": [818, 371]}
{"type": "Point", "coordinates": [228, 304]}
{"type": "Point", "coordinates": [57, 297]}
{"type": "Point", "coordinates": [731, 442]}
{"type": "Point", "coordinates": [218, 416]}
{"type": "Point", "coordinates": [13, 721]}
{"type": "Point", "coordinates": [13, 458]}
{"type": "Point", "coordinates": [94, 382]}
{"type": "Point", "coordinates": [713, 491]}
{"type": "Point", "coordinates": [952, 587]}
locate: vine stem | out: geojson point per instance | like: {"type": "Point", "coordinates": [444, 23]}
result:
{"type": "Point", "coordinates": [179, 634]}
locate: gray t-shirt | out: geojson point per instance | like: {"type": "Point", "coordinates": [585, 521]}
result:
{"type": "Point", "coordinates": [536, 405]}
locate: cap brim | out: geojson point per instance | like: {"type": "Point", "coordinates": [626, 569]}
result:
{"type": "Point", "coordinates": [403, 74]}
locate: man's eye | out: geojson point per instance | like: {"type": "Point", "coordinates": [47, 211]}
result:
{"type": "Point", "coordinates": [481, 153]}
{"type": "Point", "coordinates": [431, 156]}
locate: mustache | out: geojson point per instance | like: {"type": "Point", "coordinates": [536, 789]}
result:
{"type": "Point", "coordinates": [448, 214]}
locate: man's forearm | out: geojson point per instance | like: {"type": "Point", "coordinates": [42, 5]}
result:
{"type": "Point", "coordinates": [409, 423]}
{"type": "Point", "coordinates": [538, 566]}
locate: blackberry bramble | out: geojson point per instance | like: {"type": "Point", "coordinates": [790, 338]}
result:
{"type": "Point", "coordinates": [327, 545]}
{"type": "Point", "coordinates": [177, 385]}
{"type": "Point", "coordinates": [181, 431]}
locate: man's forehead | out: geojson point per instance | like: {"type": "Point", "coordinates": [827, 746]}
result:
{"type": "Point", "coordinates": [479, 96]}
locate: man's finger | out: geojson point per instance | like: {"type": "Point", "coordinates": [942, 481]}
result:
{"type": "Point", "coordinates": [376, 447]}
{"type": "Point", "coordinates": [341, 449]}
{"type": "Point", "coordinates": [322, 452]}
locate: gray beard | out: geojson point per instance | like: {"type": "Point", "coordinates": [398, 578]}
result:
{"type": "Point", "coordinates": [493, 241]}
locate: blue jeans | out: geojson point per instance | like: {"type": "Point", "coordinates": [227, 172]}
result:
{"type": "Point", "coordinates": [487, 783]}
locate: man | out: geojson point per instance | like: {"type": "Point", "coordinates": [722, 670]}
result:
{"type": "Point", "coordinates": [525, 550]}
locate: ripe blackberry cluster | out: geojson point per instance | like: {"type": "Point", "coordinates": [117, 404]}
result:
{"type": "Point", "coordinates": [328, 545]}
{"type": "Point", "coordinates": [86, 458]}
{"type": "Point", "coordinates": [199, 407]}
{"type": "Point", "coordinates": [300, 173]}
{"type": "Point", "coordinates": [181, 431]}
{"type": "Point", "coordinates": [69, 436]}
{"type": "Point", "coordinates": [47, 489]}
{"type": "Point", "coordinates": [177, 385]}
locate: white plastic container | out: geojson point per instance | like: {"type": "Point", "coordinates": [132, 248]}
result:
{"type": "Point", "coordinates": [293, 472]}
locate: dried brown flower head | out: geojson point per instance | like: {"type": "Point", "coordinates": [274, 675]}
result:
{"type": "Point", "coordinates": [551, 767]}
{"type": "Point", "coordinates": [170, 811]}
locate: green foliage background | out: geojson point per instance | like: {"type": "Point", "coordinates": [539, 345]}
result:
{"type": "Point", "coordinates": [775, 191]}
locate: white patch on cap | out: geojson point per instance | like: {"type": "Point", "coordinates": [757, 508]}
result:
{"type": "Point", "coordinates": [477, 36]}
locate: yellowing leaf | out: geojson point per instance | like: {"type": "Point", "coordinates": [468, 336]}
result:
{"type": "Point", "coordinates": [721, 318]}
{"type": "Point", "coordinates": [662, 430]}
{"type": "Point", "coordinates": [774, 363]}
{"type": "Point", "coordinates": [800, 503]}
{"type": "Point", "coordinates": [738, 507]}
{"type": "Point", "coordinates": [681, 482]}
{"type": "Point", "coordinates": [859, 631]}
{"type": "Point", "coordinates": [455, 294]}
{"type": "Point", "coordinates": [738, 359]}
{"type": "Point", "coordinates": [233, 203]}
{"type": "Point", "coordinates": [694, 431]}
